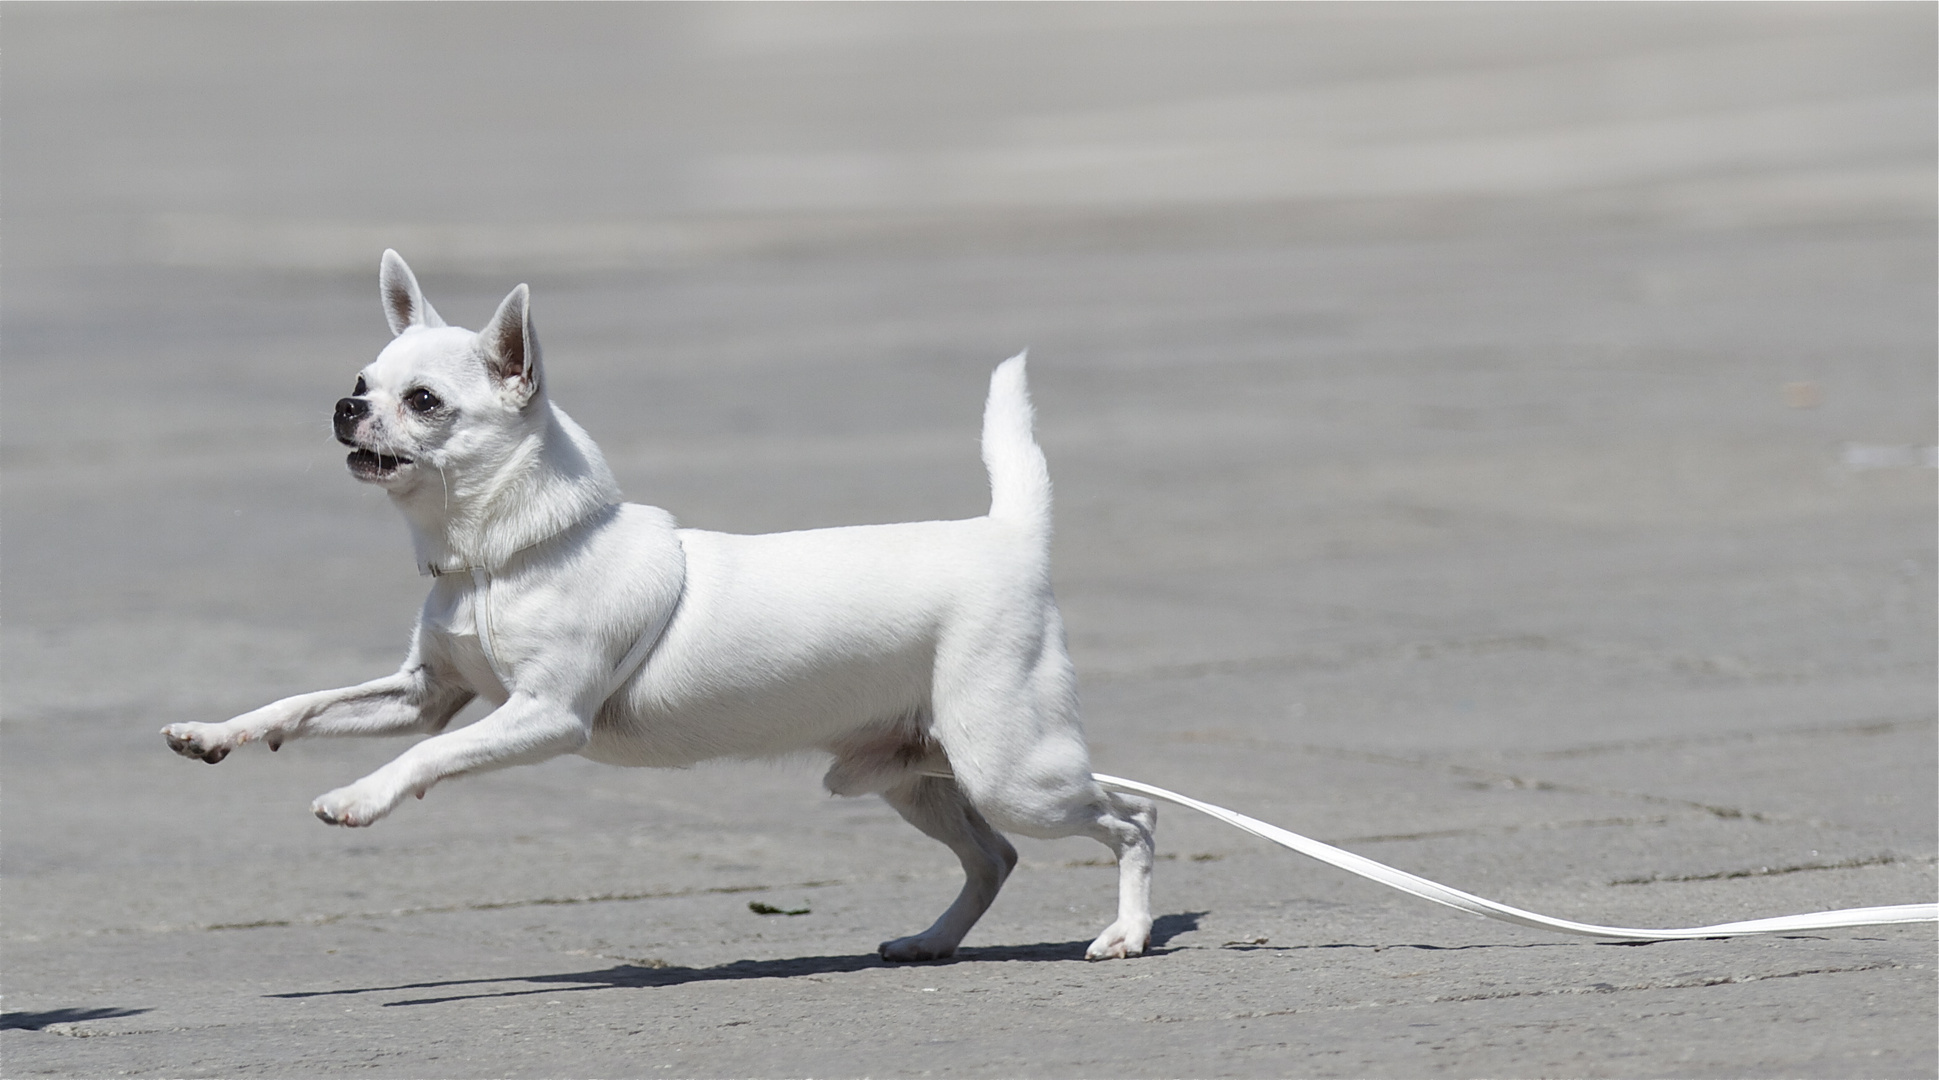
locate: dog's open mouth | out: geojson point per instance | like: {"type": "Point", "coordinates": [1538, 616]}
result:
{"type": "Point", "coordinates": [371, 465]}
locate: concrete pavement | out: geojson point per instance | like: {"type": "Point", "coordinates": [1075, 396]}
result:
{"type": "Point", "coordinates": [1492, 439]}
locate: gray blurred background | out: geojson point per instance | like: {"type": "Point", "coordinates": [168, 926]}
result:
{"type": "Point", "coordinates": [1498, 438]}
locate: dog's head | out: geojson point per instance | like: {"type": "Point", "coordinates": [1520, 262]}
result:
{"type": "Point", "coordinates": [440, 398]}
{"type": "Point", "coordinates": [457, 428]}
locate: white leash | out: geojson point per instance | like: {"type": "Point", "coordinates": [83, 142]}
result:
{"type": "Point", "coordinates": [1455, 898]}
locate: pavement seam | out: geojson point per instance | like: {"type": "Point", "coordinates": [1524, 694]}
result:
{"type": "Point", "coordinates": [1681, 984]}
{"type": "Point", "coordinates": [500, 905]}
{"type": "Point", "coordinates": [439, 909]}
{"type": "Point", "coordinates": [1774, 871]}
{"type": "Point", "coordinates": [1591, 989]}
{"type": "Point", "coordinates": [1514, 780]}
{"type": "Point", "coordinates": [1503, 830]}
{"type": "Point", "coordinates": [1880, 725]}
{"type": "Point", "coordinates": [1346, 657]}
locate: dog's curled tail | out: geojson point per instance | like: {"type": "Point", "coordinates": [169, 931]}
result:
{"type": "Point", "coordinates": [1019, 479]}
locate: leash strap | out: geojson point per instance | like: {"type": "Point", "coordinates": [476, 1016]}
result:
{"type": "Point", "coordinates": [1455, 898]}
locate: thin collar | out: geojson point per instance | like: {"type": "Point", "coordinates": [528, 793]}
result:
{"type": "Point", "coordinates": [435, 571]}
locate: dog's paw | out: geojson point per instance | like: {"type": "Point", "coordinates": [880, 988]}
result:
{"type": "Point", "coordinates": [204, 742]}
{"type": "Point", "coordinates": [1120, 940]}
{"type": "Point", "coordinates": [352, 806]}
{"type": "Point", "coordinates": [915, 948]}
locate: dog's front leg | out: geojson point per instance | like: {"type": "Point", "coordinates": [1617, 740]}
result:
{"type": "Point", "coordinates": [524, 730]}
{"type": "Point", "coordinates": [409, 701]}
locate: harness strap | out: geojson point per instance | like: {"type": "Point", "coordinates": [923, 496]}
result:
{"type": "Point", "coordinates": [635, 656]}
{"type": "Point", "coordinates": [481, 616]}
{"type": "Point", "coordinates": [481, 621]}
{"type": "Point", "coordinates": [629, 664]}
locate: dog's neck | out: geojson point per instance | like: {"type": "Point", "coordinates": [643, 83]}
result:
{"type": "Point", "coordinates": [553, 478]}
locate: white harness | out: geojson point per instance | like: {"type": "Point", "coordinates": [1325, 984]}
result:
{"type": "Point", "coordinates": [481, 621]}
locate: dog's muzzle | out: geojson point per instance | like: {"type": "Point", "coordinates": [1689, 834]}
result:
{"type": "Point", "coordinates": [349, 411]}
{"type": "Point", "coordinates": [365, 464]}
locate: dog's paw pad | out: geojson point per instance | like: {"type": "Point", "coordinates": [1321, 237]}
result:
{"type": "Point", "coordinates": [348, 808]}
{"type": "Point", "coordinates": [337, 815]}
{"type": "Point", "coordinates": [1118, 942]}
{"type": "Point", "coordinates": [196, 741]}
{"type": "Point", "coordinates": [915, 949]}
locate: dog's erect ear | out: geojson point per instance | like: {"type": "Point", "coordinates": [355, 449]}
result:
{"type": "Point", "coordinates": [511, 345]}
{"type": "Point", "coordinates": [404, 303]}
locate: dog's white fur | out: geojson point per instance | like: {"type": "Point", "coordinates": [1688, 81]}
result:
{"type": "Point", "coordinates": [928, 658]}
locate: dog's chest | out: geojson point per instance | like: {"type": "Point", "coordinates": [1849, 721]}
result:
{"type": "Point", "coordinates": [450, 631]}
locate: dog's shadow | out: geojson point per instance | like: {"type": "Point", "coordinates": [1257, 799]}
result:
{"type": "Point", "coordinates": [36, 1021]}
{"type": "Point", "coordinates": [638, 976]}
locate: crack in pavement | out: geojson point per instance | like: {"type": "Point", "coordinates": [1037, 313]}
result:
{"type": "Point", "coordinates": [1773, 871]}
{"type": "Point", "coordinates": [1880, 725]}
{"type": "Point", "coordinates": [436, 909]}
{"type": "Point", "coordinates": [500, 905]}
{"type": "Point", "coordinates": [1525, 783]}
{"type": "Point", "coordinates": [1681, 984]}
{"type": "Point", "coordinates": [1341, 658]}
{"type": "Point", "coordinates": [1502, 830]}
{"type": "Point", "coordinates": [1591, 989]}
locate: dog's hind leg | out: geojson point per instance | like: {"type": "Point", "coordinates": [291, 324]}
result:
{"type": "Point", "coordinates": [1127, 831]}
{"type": "Point", "coordinates": [1058, 806]}
{"type": "Point", "coordinates": [1049, 794]}
{"type": "Point", "coordinates": [938, 807]}
{"type": "Point", "coordinates": [1123, 823]}
{"type": "Point", "coordinates": [1007, 719]}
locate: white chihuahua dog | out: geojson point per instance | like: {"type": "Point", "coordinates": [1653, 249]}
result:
{"type": "Point", "coordinates": [928, 658]}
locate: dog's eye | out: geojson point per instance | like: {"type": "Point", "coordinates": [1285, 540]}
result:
{"type": "Point", "coordinates": [361, 389]}
{"type": "Point", "coordinates": [421, 400]}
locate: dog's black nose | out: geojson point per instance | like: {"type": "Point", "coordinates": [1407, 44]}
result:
{"type": "Point", "coordinates": [349, 411]}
